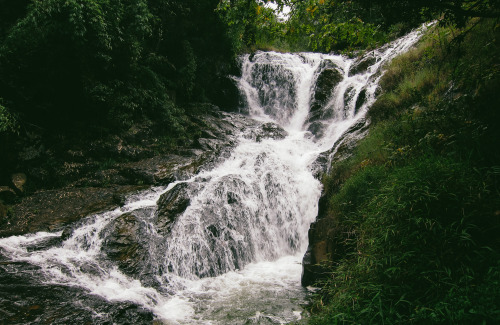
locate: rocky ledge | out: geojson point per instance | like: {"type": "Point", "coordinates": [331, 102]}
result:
{"type": "Point", "coordinates": [90, 184]}
{"type": "Point", "coordinates": [323, 248]}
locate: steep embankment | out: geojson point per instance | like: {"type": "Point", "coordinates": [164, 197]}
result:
{"type": "Point", "coordinates": [408, 225]}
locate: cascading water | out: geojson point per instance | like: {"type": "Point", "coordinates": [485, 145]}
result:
{"type": "Point", "coordinates": [233, 255]}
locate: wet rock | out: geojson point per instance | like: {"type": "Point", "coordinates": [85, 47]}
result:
{"type": "Point", "coordinates": [327, 80]}
{"type": "Point", "coordinates": [317, 258]}
{"type": "Point", "coordinates": [160, 170]}
{"type": "Point", "coordinates": [348, 96]}
{"type": "Point", "coordinates": [342, 149]}
{"type": "Point", "coordinates": [172, 204]}
{"type": "Point", "coordinates": [273, 131]}
{"type": "Point", "coordinates": [7, 194]}
{"type": "Point", "coordinates": [67, 232]}
{"type": "Point", "coordinates": [209, 144]}
{"type": "Point", "coordinates": [232, 198]}
{"type": "Point", "coordinates": [360, 100]}
{"type": "Point", "coordinates": [98, 174]}
{"type": "Point", "coordinates": [214, 230]}
{"type": "Point", "coordinates": [319, 166]}
{"type": "Point", "coordinates": [317, 128]}
{"type": "Point", "coordinates": [51, 210]}
{"type": "Point", "coordinates": [362, 64]}
{"type": "Point", "coordinates": [25, 300]}
{"type": "Point", "coordinates": [18, 180]}
{"type": "Point", "coordinates": [123, 245]}
{"type": "Point", "coordinates": [267, 131]}
{"type": "Point", "coordinates": [44, 244]}
{"type": "Point", "coordinates": [323, 249]}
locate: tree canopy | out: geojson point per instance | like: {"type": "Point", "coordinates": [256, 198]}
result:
{"type": "Point", "coordinates": [70, 62]}
{"type": "Point", "coordinates": [81, 62]}
{"type": "Point", "coordinates": [327, 25]}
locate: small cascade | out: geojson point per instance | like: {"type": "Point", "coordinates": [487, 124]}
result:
{"type": "Point", "coordinates": [214, 249]}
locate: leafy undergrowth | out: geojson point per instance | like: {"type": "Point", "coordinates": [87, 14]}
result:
{"type": "Point", "coordinates": [419, 201]}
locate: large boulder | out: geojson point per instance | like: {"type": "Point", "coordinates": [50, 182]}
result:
{"type": "Point", "coordinates": [123, 243]}
{"type": "Point", "coordinates": [328, 79]}
{"type": "Point", "coordinates": [267, 131]}
{"type": "Point", "coordinates": [322, 247]}
{"type": "Point", "coordinates": [18, 180]}
{"type": "Point", "coordinates": [53, 210]}
{"type": "Point", "coordinates": [362, 64]}
{"type": "Point", "coordinates": [172, 204]}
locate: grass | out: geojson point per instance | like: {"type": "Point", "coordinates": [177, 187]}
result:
{"type": "Point", "coordinates": [418, 204]}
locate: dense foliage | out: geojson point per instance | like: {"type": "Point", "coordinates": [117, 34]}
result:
{"type": "Point", "coordinates": [340, 25]}
{"type": "Point", "coordinates": [73, 71]}
{"type": "Point", "coordinates": [417, 206]}
{"type": "Point", "coordinates": [108, 62]}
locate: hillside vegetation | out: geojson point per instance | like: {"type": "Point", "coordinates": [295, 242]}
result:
{"type": "Point", "coordinates": [417, 205]}
{"type": "Point", "coordinates": [79, 71]}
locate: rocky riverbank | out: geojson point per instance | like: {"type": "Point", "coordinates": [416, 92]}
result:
{"type": "Point", "coordinates": [60, 185]}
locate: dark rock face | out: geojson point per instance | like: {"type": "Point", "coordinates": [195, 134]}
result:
{"type": "Point", "coordinates": [321, 251]}
{"type": "Point", "coordinates": [134, 164]}
{"type": "Point", "coordinates": [172, 204]}
{"type": "Point", "coordinates": [316, 128]}
{"type": "Point", "coordinates": [328, 79]}
{"type": "Point", "coordinates": [52, 210]}
{"type": "Point", "coordinates": [160, 170]}
{"type": "Point", "coordinates": [362, 64]}
{"type": "Point", "coordinates": [360, 100]}
{"type": "Point", "coordinates": [267, 131]}
{"type": "Point", "coordinates": [3, 211]}
{"type": "Point", "coordinates": [323, 248]}
{"type": "Point", "coordinates": [18, 180]}
{"type": "Point", "coordinates": [226, 95]}
{"type": "Point", "coordinates": [123, 243]}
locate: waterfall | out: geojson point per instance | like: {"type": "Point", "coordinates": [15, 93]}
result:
{"type": "Point", "coordinates": [232, 254]}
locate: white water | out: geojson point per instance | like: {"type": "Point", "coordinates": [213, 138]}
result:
{"type": "Point", "coordinates": [228, 261]}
